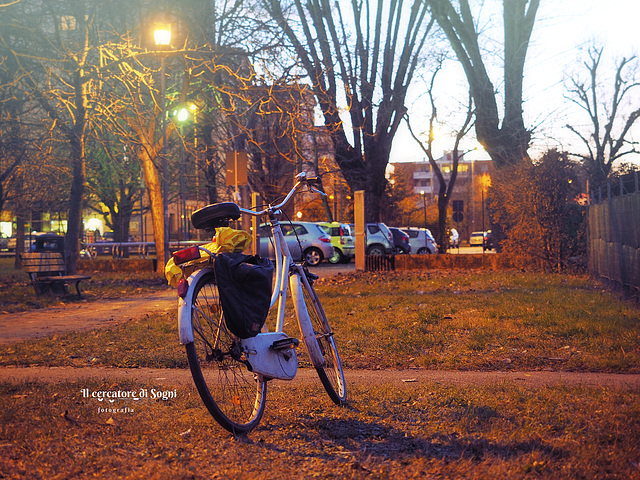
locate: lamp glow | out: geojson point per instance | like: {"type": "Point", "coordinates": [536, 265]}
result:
{"type": "Point", "coordinates": [162, 34]}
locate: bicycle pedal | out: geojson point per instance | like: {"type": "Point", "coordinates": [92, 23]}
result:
{"type": "Point", "coordinates": [285, 344]}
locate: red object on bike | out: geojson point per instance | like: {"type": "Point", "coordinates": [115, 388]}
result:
{"type": "Point", "coordinates": [183, 287]}
{"type": "Point", "coordinates": [186, 255]}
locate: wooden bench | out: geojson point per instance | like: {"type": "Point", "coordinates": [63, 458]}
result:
{"type": "Point", "coordinates": [47, 273]}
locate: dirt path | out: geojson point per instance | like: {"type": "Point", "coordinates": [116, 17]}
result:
{"type": "Point", "coordinates": [159, 376]}
{"type": "Point", "coordinates": [82, 316]}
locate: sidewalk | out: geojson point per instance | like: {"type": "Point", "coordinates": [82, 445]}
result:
{"type": "Point", "coordinates": [171, 376]}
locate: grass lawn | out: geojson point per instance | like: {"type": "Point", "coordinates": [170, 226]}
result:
{"type": "Point", "coordinates": [436, 320]}
{"type": "Point", "coordinates": [431, 320]}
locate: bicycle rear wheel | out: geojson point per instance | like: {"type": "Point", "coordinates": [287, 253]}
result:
{"type": "Point", "coordinates": [328, 367]}
{"type": "Point", "coordinates": [234, 396]}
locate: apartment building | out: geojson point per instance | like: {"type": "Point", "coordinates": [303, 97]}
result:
{"type": "Point", "coordinates": [468, 202]}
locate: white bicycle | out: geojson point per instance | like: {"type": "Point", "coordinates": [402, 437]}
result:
{"type": "Point", "coordinates": [230, 373]}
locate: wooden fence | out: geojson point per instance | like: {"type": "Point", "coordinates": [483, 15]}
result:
{"type": "Point", "coordinates": [379, 263]}
{"type": "Point", "coordinates": [614, 235]}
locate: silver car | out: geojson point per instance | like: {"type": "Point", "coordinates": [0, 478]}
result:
{"type": "Point", "coordinates": [305, 240]}
{"type": "Point", "coordinates": [421, 240]}
{"type": "Point", "coordinates": [378, 238]}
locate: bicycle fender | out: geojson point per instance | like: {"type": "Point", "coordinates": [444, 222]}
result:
{"type": "Point", "coordinates": [184, 307]}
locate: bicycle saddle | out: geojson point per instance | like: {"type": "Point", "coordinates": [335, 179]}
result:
{"type": "Point", "coordinates": [215, 215]}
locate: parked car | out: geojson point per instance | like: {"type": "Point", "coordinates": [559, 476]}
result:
{"type": "Point", "coordinates": [454, 238]}
{"type": "Point", "coordinates": [48, 242]}
{"type": "Point", "coordinates": [343, 241]}
{"type": "Point", "coordinates": [305, 240]}
{"type": "Point", "coordinates": [29, 240]}
{"type": "Point", "coordinates": [400, 240]}
{"type": "Point", "coordinates": [477, 239]}
{"type": "Point", "coordinates": [421, 240]}
{"type": "Point", "coordinates": [379, 240]}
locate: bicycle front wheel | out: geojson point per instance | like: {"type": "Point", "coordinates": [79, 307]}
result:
{"type": "Point", "coordinates": [327, 363]}
{"type": "Point", "coordinates": [234, 396]}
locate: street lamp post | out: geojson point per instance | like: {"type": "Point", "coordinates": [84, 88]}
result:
{"type": "Point", "coordinates": [162, 37]}
{"type": "Point", "coordinates": [182, 116]}
{"type": "Point", "coordinates": [482, 208]}
{"type": "Point", "coordinates": [424, 197]}
{"type": "Point", "coordinates": [486, 182]}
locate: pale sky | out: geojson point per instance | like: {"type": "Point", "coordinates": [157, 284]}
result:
{"type": "Point", "coordinates": [563, 30]}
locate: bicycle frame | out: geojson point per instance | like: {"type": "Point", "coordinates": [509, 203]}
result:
{"type": "Point", "coordinates": [285, 266]}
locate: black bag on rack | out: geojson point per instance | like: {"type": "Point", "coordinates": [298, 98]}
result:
{"type": "Point", "coordinates": [244, 283]}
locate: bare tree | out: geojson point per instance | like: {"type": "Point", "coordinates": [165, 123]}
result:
{"type": "Point", "coordinates": [57, 64]}
{"type": "Point", "coordinates": [13, 143]}
{"type": "Point", "coordinates": [506, 143]}
{"type": "Point", "coordinates": [362, 58]}
{"type": "Point", "coordinates": [444, 189]}
{"type": "Point", "coordinates": [610, 122]}
{"type": "Point", "coordinates": [113, 178]}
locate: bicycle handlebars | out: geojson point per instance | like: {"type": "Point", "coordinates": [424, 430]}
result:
{"type": "Point", "coordinates": [302, 180]}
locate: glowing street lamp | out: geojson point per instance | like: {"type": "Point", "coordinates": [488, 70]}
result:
{"type": "Point", "coordinates": [162, 38]}
{"type": "Point", "coordinates": [162, 34]}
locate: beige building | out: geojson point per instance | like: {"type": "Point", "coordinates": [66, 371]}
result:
{"type": "Point", "coordinates": [469, 193]}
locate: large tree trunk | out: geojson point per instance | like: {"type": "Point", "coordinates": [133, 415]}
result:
{"type": "Point", "coordinates": [152, 181]}
{"type": "Point", "coordinates": [76, 197]}
{"type": "Point", "coordinates": [121, 222]}
{"type": "Point", "coordinates": [148, 153]}
{"type": "Point", "coordinates": [74, 219]}
{"type": "Point", "coordinates": [506, 144]}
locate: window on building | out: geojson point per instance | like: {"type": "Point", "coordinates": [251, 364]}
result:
{"type": "Point", "coordinates": [68, 22]}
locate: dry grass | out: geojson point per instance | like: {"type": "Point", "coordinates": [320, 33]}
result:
{"type": "Point", "coordinates": [460, 321]}
{"type": "Point", "coordinates": [482, 320]}
{"type": "Point", "coordinates": [410, 431]}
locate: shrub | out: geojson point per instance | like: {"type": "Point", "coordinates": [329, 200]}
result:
{"type": "Point", "coordinates": [537, 206]}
